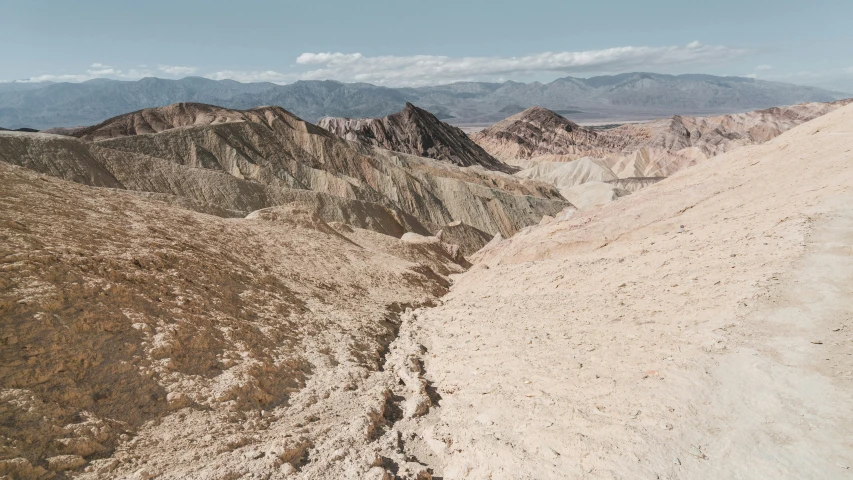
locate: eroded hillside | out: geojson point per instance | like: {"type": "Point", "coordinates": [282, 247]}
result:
{"type": "Point", "coordinates": [240, 161]}
{"type": "Point", "coordinates": [700, 328]}
{"type": "Point", "coordinates": [138, 337]}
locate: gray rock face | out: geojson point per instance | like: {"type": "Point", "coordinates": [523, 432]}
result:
{"type": "Point", "coordinates": [418, 132]}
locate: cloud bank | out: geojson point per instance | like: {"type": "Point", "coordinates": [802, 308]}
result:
{"type": "Point", "coordinates": [418, 70]}
{"type": "Point", "coordinates": [177, 70]}
{"type": "Point", "coordinates": [430, 69]}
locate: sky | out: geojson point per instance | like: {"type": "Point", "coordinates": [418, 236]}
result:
{"type": "Point", "coordinates": [412, 43]}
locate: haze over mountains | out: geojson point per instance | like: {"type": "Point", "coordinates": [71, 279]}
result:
{"type": "Point", "coordinates": [606, 98]}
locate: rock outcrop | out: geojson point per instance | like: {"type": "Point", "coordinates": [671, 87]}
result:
{"type": "Point", "coordinates": [417, 132]}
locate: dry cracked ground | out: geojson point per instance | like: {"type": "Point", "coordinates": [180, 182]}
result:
{"type": "Point", "coordinates": [700, 328]}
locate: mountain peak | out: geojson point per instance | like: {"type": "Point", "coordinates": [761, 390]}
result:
{"type": "Point", "coordinates": [541, 117]}
{"type": "Point", "coordinates": [524, 134]}
{"type": "Point", "coordinates": [415, 131]}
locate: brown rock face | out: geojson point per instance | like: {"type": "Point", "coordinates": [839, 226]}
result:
{"type": "Point", "coordinates": [417, 132]}
{"type": "Point", "coordinates": [534, 132]}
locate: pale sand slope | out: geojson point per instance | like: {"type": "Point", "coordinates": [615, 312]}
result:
{"type": "Point", "coordinates": [612, 345]}
{"type": "Point", "coordinates": [593, 194]}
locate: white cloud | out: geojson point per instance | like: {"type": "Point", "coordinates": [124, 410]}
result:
{"type": "Point", "coordinates": [763, 68]}
{"type": "Point", "coordinates": [253, 76]}
{"type": "Point", "coordinates": [418, 70]}
{"type": "Point", "coordinates": [177, 70]}
{"type": "Point", "coordinates": [432, 69]}
{"type": "Point", "coordinates": [95, 70]}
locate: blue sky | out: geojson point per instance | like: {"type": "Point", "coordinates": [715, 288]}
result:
{"type": "Point", "coordinates": [425, 42]}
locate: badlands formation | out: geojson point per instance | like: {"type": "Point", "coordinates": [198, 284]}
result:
{"type": "Point", "coordinates": [415, 131]}
{"type": "Point", "coordinates": [199, 292]}
{"type": "Point", "coordinates": [557, 151]}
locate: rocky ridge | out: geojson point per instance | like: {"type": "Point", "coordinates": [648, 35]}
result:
{"type": "Point", "coordinates": [417, 132]}
{"type": "Point", "coordinates": [241, 161]}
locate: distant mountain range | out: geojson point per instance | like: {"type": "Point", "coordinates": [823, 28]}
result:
{"type": "Point", "coordinates": [605, 98]}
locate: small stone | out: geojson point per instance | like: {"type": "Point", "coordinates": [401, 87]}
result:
{"type": "Point", "coordinates": [817, 342]}
{"type": "Point", "coordinates": [287, 469]}
{"type": "Point", "coordinates": [696, 452]}
{"type": "Point", "coordinates": [61, 463]}
{"type": "Point", "coordinates": [378, 473]}
{"type": "Point", "coordinates": [676, 461]}
{"type": "Point", "coordinates": [142, 474]}
{"type": "Point", "coordinates": [177, 400]}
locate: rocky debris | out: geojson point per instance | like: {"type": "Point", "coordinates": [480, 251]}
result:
{"type": "Point", "coordinates": [60, 463]}
{"type": "Point", "coordinates": [21, 468]}
{"type": "Point", "coordinates": [417, 132]}
{"type": "Point", "coordinates": [632, 184]}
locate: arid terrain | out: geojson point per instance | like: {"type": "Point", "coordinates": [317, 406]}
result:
{"type": "Point", "coordinates": [193, 291]}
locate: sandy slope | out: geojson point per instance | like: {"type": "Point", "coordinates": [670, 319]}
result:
{"type": "Point", "coordinates": [617, 344]}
